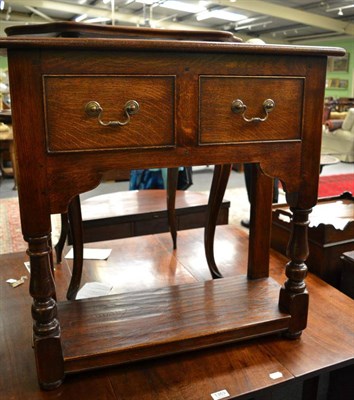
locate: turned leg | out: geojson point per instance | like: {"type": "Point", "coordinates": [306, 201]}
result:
{"type": "Point", "coordinates": [46, 329]}
{"type": "Point", "coordinates": [62, 238]}
{"type": "Point", "coordinates": [217, 191]}
{"type": "Point", "coordinates": [51, 260]}
{"type": "Point", "coordinates": [172, 176]}
{"type": "Point", "coordinates": [293, 297]}
{"type": "Point", "coordinates": [75, 220]}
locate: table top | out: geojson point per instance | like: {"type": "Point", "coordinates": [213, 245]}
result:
{"type": "Point", "coordinates": [75, 29]}
{"type": "Point", "coordinates": [96, 36]}
{"type": "Point", "coordinates": [133, 203]}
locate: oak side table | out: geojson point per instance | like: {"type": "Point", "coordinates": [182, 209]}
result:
{"type": "Point", "coordinates": [82, 106]}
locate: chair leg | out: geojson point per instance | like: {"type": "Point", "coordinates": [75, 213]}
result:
{"type": "Point", "coordinates": [217, 191]}
{"type": "Point", "coordinates": [62, 238]}
{"type": "Point", "coordinates": [172, 176]}
{"type": "Point", "coordinates": [75, 220]}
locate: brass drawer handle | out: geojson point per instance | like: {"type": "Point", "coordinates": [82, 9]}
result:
{"type": "Point", "coordinates": [94, 109]}
{"type": "Point", "coordinates": [238, 107]}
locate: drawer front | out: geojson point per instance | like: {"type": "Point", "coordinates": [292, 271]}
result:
{"type": "Point", "coordinates": [218, 123]}
{"type": "Point", "coordinates": [70, 128]}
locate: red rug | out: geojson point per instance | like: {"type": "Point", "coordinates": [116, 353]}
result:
{"type": "Point", "coordinates": [334, 185]}
{"type": "Point", "coordinates": [11, 239]}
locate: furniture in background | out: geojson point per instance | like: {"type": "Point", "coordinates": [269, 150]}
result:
{"type": "Point", "coordinates": [347, 277]}
{"type": "Point", "coordinates": [329, 106]}
{"type": "Point", "coordinates": [344, 103]}
{"type": "Point", "coordinates": [142, 212]}
{"type": "Point", "coordinates": [336, 108]}
{"type": "Point", "coordinates": [7, 153]}
{"type": "Point", "coordinates": [7, 148]}
{"type": "Point", "coordinates": [163, 103]}
{"type": "Point", "coordinates": [338, 137]}
{"type": "Point", "coordinates": [330, 234]}
{"type": "Point", "coordinates": [131, 213]}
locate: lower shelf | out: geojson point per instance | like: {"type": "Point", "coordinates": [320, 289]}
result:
{"type": "Point", "coordinates": [133, 326]}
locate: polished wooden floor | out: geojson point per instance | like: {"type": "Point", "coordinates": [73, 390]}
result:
{"type": "Point", "coordinates": [315, 365]}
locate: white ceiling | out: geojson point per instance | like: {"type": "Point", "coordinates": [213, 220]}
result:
{"type": "Point", "coordinates": [274, 21]}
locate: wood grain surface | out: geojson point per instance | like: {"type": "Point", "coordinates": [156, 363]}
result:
{"type": "Point", "coordinates": [242, 368]}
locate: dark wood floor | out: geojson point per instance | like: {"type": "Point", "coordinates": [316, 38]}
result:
{"type": "Point", "coordinates": [311, 368]}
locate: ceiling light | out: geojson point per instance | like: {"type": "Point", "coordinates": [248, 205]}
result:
{"type": "Point", "coordinates": [340, 12]}
{"type": "Point", "coordinates": [185, 7]}
{"type": "Point", "coordinates": [2, 5]}
{"type": "Point", "coordinates": [147, 2]}
{"type": "Point", "coordinates": [250, 20]}
{"type": "Point", "coordinates": [95, 20]}
{"type": "Point", "coordinates": [220, 14]}
{"type": "Point", "coordinates": [250, 26]}
{"type": "Point", "coordinates": [81, 17]}
{"type": "Point", "coordinates": [339, 8]}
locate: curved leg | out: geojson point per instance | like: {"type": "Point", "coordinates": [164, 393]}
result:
{"type": "Point", "coordinates": [293, 297]}
{"type": "Point", "coordinates": [217, 191]}
{"type": "Point", "coordinates": [62, 238]}
{"type": "Point", "coordinates": [172, 176]}
{"type": "Point", "coordinates": [75, 220]}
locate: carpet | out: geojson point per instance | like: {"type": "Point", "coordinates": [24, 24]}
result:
{"type": "Point", "coordinates": [334, 185]}
{"type": "Point", "coordinates": [11, 239]}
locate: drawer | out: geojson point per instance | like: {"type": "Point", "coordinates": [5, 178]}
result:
{"type": "Point", "coordinates": [70, 128]}
{"type": "Point", "coordinates": [219, 124]}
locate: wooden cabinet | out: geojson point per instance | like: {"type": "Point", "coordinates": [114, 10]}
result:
{"type": "Point", "coordinates": [185, 90]}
